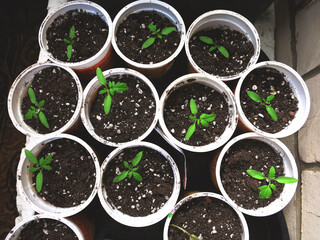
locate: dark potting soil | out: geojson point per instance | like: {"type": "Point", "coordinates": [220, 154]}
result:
{"type": "Point", "coordinates": [242, 188]}
{"type": "Point", "coordinates": [208, 218]}
{"type": "Point", "coordinates": [47, 229]}
{"type": "Point", "coordinates": [209, 101]}
{"type": "Point", "coordinates": [266, 81]}
{"type": "Point", "coordinates": [237, 44]}
{"type": "Point", "coordinates": [58, 89]}
{"type": "Point", "coordinates": [134, 31]}
{"type": "Point", "coordinates": [139, 198]}
{"type": "Point", "coordinates": [91, 32]}
{"type": "Point", "coordinates": [132, 111]}
{"type": "Point", "coordinates": [73, 175]}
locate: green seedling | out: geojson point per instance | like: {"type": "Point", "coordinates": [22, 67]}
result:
{"type": "Point", "coordinates": [158, 33]}
{"type": "Point", "coordinates": [204, 119]}
{"type": "Point", "coordinates": [265, 102]}
{"type": "Point", "coordinates": [214, 46]}
{"type": "Point", "coordinates": [37, 109]}
{"type": "Point", "coordinates": [70, 41]}
{"type": "Point", "coordinates": [191, 236]}
{"type": "Point", "coordinates": [132, 168]}
{"type": "Point", "coordinates": [39, 165]}
{"type": "Point", "coordinates": [110, 89]}
{"type": "Point", "coordinates": [266, 190]}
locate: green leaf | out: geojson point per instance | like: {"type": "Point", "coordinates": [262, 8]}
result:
{"type": "Point", "coordinates": [111, 84]}
{"type": "Point", "coordinates": [126, 164]}
{"type": "Point", "coordinates": [265, 193]}
{"type": "Point", "coordinates": [43, 119]}
{"type": "Point", "coordinates": [137, 176]}
{"type": "Point", "coordinates": [69, 51]}
{"type": "Point", "coordinates": [72, 32]}
{"type": "Point", "coordinates": [272, 112]}
{"type": "Point", "coordinates": [272, 172]}
{"type": "Point", "coordinates": [33, 108]}
{"type": "Point", "coordinates": [41, 161]}
{"type": "Point", "coordinates": [273, 187]}
{"type": "Point", "coordinates": [193, 107]}
{"type": "Point", "coordinates": [137, 159]}
{"type": "Point", "coordinates": [190, 131]}
{"type": "Point", "coordinates": [34, 169]}
{"type": "Point", "coordinates": [152, 27]}
{"type": "Point", "coordinates": [208, 117]}
{"type": "Point", "coordinates": [29, 114]}
{"type": "Point", "coordinates": [167, 30]}
{"type": "Point", "coordinates": [32, 96]}
{"type": "Point", "coordinates": [41, 104]}
{"type": "Point", "coordinates": [121, 176]}
{"type": "Point", "coordinates": [46, 167]}
{"type": "Point", "coordinates": [206, 39]}
{"type": "Point", "coordinates": [269, 98]}
{"type": "Point", "coordinates": [39, 181]}
{"type": "Point", "coordinates": [101, 77]}
{"type": "Point", "coordinates": [283, 179]}
{"type": "Point", "coordinates": [66, 41]}
{"type": "Point", "coordinates": [103, 91]}
{"type": "Point", "coordinates": [193, 118]}
{"type": "Point", "coordinates": [111, 91]}
{"type": "Point", "coordinates": [256, 174]}
{"type": "Point", "coordinates": [107, 104]}
{"type": "Point", "coordinates": [212, 48]}
{"type": "Point", "coordinates": [34, 114]}
{"type": "Point", "coordinates": [148, 42]}
{"type": "Point", "coordinates": [130, 174]}
{"type": "Point", "coordinates": [134, 169]}
{"type": "Point", "coordinates": [120, 87]}
{"type": "Point", "coordinates": [255, 97]}
{"type": "Point", "coordinates": [159, 36]}
{"type": "Point", "coordinates": [263, 187]}
{"type": "Point", "coordinates": [223, 51]}
{"type": "Point", "coordinates": [32, 158]}
{"type": "Point", "coordinates": [204, 123]}
{"type": "Point", "coordinates": [47, 160]}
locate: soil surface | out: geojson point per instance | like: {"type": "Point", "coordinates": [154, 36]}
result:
{"type": "Point", "coordinates": [48, 229]}
{"type": "Point", "coordinates": [139, 198]}
{"type": "Point", "coordinates": [209, 101]}
{"type": "Point", "coordinates": [134, 31]}
{"type": "Point", "coordinates": [67, 184]}
{"type": "Point", "coordinates": [266, 81]}
{"type": "Point", "coordinates": [208, 218]}
{"type": "Point", "coordinates": [58, 89]}
{"type": "Point", "coordinates": [239, 47]}
{"type": "Point", "coordinates": [132, 111]}
{"type": "Point", "coordinates": [91, 33]}
{"type": "Point", "coordinates": [242, 188]}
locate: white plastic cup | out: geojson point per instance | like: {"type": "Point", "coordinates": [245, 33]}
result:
{"type": "Point", "coordinates": [19, 90]}
{"type": "Point", "coordinates": [86, 68]}
{"type": "Point", "coordinates": [141, 221]}
{"type": "Point", "coordinates": [90, 93]}
{"type": "Point", "coordinates": [300, 90]}
{"type": "Point", "coordinates": [231, 20]}
{"type": "Point", "coordinates": [157, 69]}
{"type": "Point", "coordinates": [217, 85]}
{"type": "Point", "coordinates": [245, 229]}
{"type": "Point", "coordinates": [28, 192]}
{"type": "Point", "coordinates": [16, 230]}
{"type": "Point", "coordinates": [290, 170]}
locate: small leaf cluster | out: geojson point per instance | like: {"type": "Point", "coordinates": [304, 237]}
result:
{"type": "Point", "coordinates": [204, 119]}
{"type": "Point", "coordinates": [110, 89]}
{"type": "Point", "coordinates": [266, 190]}
{"type": "Point", "coordinates": [209, 41]}
{"type": "Point", "coordinates": [158, 34]}
{"type": "Point", "coordinates": [132, 168]}
{"type": "Point", "coordinates": [37, 109]}
{"type": "Point", "coordinates": [39, 165]}
{"type": "Point", "coordinates": [191, 236]}
{"type": "Point", "coordinates": [70, 41]}
{"type": "Point", "coordinates": [265, 102]}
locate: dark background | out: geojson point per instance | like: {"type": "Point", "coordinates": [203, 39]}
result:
{"type": "Point", "coordinates": [19, 48]}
